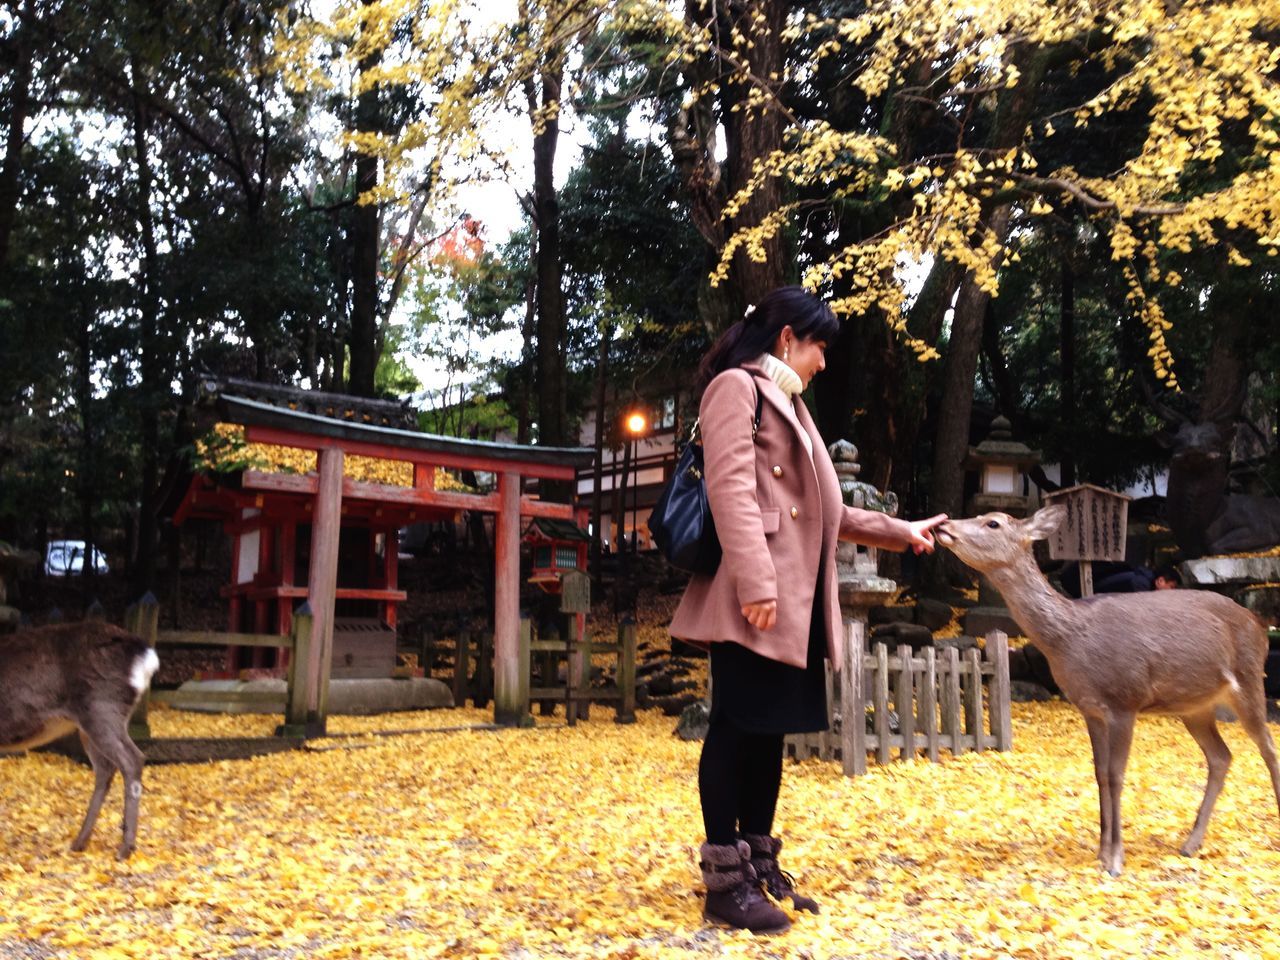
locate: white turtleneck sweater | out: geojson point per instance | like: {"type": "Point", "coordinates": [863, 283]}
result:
{"type": "Point", "coordinates": [789, 383]}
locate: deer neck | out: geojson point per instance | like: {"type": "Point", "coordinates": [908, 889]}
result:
{"type": "Point", "coordinates": [1044, 613]}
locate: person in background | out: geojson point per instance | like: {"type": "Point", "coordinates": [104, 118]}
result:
{"type": "Point", "coordinates": [1113, 577]}
{"type": "Point", "coordinates": [770, 613]}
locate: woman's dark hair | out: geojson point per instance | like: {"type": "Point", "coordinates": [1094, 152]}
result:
{"type": "Point", "coordinates": [756, 333]}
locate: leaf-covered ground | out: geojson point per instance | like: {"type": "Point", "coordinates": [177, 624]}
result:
{"type": "Point", "coordinates": [581, 842]}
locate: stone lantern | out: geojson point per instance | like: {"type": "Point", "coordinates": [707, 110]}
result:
{"type": "Point", "coordinates": [857, 566]}
{"type": "Point", "coordinates": [1002, 463]}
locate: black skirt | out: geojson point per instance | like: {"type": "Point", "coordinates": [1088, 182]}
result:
{"type": "Point", "coordinates": [760, 695]}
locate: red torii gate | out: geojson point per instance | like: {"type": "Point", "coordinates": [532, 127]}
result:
{"type": "Point", "coordinates": [333, 440]}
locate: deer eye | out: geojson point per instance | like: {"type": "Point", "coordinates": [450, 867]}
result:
{"type": "Point", "coordinates": [993, 524]}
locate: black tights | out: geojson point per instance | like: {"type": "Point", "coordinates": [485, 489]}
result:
{"type": "Point", "coordinates": [738, 779]}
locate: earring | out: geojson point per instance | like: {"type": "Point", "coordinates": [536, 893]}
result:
{"type": "Point", "coordinates": [786, 354]}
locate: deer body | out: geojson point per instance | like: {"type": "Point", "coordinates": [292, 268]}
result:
{"type": "Point", "coordinates": [1176, 652]}
{"type": "Point", "coordinates": [86, 676]}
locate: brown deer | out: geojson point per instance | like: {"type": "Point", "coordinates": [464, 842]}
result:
{"type": "Point", "coordinates": [1177, 652]}
{"type": "Point", "coordinates": [87, 676]}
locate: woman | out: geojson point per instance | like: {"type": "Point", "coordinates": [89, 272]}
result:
{"type": "Point", "coordinates": [770, 612]}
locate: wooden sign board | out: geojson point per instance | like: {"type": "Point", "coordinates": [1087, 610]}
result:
{"type": "Point", "coordinates": [575, 592]}
{"type": "Point", "coordinates": [1095, 526]}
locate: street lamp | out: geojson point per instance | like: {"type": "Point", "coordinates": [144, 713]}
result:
{"type": "Point", "coordinates": [637, 424]}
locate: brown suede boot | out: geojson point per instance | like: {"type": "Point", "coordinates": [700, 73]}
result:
{"type": "Point", "coordinates": [733, 890]}
{"type": "Point", "coordinates": [779, 883]}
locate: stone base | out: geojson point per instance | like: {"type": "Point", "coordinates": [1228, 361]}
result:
{"type": "Point", "coordinates": [1211, 571]}
{"type": "Point", "coordinates": [346, 697]}
{"type": "Point", "coordinates": [980, 621]}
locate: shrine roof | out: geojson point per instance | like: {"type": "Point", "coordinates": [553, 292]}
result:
{"type": "Point", "coordinates": [256, 413]}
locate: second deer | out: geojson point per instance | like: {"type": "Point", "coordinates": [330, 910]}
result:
{"type": "Point", "coordinates": [1176, 652]}
{"type": "Point", "coordinates": [87, 676]}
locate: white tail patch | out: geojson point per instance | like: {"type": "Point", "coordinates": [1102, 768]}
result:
{"type": "Point", "coordinates": [144, 669]}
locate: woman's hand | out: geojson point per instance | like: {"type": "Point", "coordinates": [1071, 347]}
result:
{"type": "Point", "coordinates": [921, 537]}
{"type": "Point", "coordinates": [762, 615]}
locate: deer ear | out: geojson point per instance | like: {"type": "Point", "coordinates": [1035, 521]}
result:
{"type": "Point", "coordinates": [1044, 522]}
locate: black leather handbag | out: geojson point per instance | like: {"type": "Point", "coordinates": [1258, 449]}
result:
{"type": "Point", "coordinates": [681, 523]}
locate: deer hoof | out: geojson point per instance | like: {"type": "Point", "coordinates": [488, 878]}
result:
{"type": "Point", "coordinates": [125, 851]}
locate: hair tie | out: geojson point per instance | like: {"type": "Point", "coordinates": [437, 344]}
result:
{"type": "Point", "coordinates": [751, 308]}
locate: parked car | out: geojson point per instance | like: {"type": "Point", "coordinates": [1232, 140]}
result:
{"type": "Point", "coordinates": [65, 558]}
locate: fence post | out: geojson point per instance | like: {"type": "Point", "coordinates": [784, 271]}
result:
{"type": "Point", "coordinates": [626, 674]}
{"type": "Point", "coordinates": [976, 726]}
{"type": "Point", "coordinates": [578, 699]}
{"type": "Point", "coordinates": [427, 651]}
{"type": "Point", "coordinates": [951, 725]}
{"type": "Point", "coordinates": [484, 667]}
{"type": "Point", "coordinates": [853, 707]}
{"type": "Point", "coordinates": [297, 696]}
{"type": "Point", "coordinates": [1001, 721]}
{"type": "Point", "coordinates": [524, 657]}
{"type": "Point", "coordinates": [883, 733]}
{"type": "Point", "coordinates": [904, 701]}
{"type": "Point", "coordinates": [929, 703]}
{"type": "Point", "coordinates": [146, 625]}
{"type": "Point", "coordinates": [461, 666]}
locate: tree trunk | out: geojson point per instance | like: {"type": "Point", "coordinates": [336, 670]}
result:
{"type": "Point", "coordinates": [20, 90]}
{"type": "Point", "coordinates": [752, 133]}
{"type": "Point", "coordinates": [149, 310]}
{"type": "Point", "coordinates": [550, 298]}
{"type": "Point", "coordinates": [87, 485]}
{"type": "Point", "coordinates": [597, 476]}
{"type": "Point", "coordinates": [364, 245]}
{"type": "Point", "coordinates": [959, 368]}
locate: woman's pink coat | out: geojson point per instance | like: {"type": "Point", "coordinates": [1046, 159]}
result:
{"type": "Point", "coordinates": [778, 515]}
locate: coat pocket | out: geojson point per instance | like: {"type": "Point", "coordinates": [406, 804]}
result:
{"type": "Point", "coordinates": [771, 517]}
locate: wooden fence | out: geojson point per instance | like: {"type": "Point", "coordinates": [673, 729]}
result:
{"type": "Point", "coordinates": [143, 619]}
{"type": "Point", "coordinates": [472, 667]}
{"type": "Point", "coordinates": [936, 695]}
{"type": "Point", "coordinates": [577, 692]}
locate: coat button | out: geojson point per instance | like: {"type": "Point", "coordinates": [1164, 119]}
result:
{"type": "Point", "coordinates": [777, 471]}
{"type": "Point", "coordinates": [795, 512]}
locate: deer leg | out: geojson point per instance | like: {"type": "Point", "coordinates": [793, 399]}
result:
{"type": "Point", "coordinates": [1204, 727]}
{"type": "Point", "coordinates": [1101, 743]}
{"type": "Point", "coordinates": [103, 773]}
{"type": "Point", "coordinates": [1251, 708]}
{"type": "Point", "coordinates": [1120, 732]}
{"type": "Point", "coordinates": [114, 743]}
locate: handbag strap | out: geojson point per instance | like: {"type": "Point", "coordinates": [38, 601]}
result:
{"type": "Point", "coordinates": [694, 434]}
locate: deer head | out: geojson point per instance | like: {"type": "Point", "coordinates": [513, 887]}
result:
{"type": "Point", "coordinates": [996, 539]}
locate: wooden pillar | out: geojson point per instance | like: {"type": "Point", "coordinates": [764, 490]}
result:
{"type": "Point", "coordinates": [853, 730]}
{"type": "Point", "coordinates": [390, 572]}
{"type": "Point", "coordinates": [626, 674]}
{"type": "Point", "coordinates": [295, 711]}
{"type": "Point", "coordinates": [507, 706]}
{"type": "Point", "coordinates": [999, 702]}
{"type": "Point", "coordinates": [322, 585]}
{"type": "Point", "coordinates": [143, 620]}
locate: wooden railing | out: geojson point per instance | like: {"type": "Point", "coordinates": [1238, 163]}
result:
{"type": "Point", "coordinates": [936, 695]}
{"type": "Point", "coordinates": [143, 619]}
